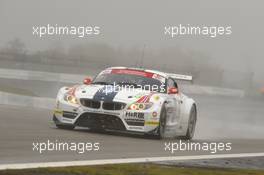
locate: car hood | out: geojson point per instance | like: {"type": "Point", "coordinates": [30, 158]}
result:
{"type": "Point", "coordinates": [107, 93]}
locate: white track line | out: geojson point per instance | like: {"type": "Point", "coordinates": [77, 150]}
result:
{"type": "Point", "coordinates": [120, 161]}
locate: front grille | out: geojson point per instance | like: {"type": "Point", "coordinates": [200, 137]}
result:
{"type": "Point", "coordinates": [105, 105]}
{"type": "Point", "coordinates": [113, 105]}
{"type": "Point", "coordinates": [90, 103]}
{"type": "Point", "coordinates": [105, 121]}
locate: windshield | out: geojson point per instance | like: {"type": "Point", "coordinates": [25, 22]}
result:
{"type": "Point", "coordinates": [137, 81]}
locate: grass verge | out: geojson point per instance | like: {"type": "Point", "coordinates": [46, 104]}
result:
{"type": "Point", "coordinates": [131, 169]}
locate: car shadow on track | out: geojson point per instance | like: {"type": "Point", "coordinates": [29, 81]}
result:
{"type": "Point", "coordinates": [120, 134]}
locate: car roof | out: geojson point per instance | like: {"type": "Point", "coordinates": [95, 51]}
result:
{"type": "Point", "coordinates": [142, 69]}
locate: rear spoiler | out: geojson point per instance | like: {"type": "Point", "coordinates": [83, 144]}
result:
{"type": "Point", "coordinates": [180, 77]}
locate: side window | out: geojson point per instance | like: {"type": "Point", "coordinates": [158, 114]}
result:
{"type": "Point", "coordinates": [175, 84]}
{"type": "Point", "coordinates": [171, 83]}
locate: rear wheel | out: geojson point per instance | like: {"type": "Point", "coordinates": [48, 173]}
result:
{"type": "Point", "coordinates": [162, 123]}
{"type": "Point", "coordinates": [191, 124]}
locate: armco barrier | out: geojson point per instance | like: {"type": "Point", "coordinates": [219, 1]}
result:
{"type": "Point", "coordinates": [209, 90]}
{"type": "Point", "coordinates": [21, 100]}
{"type": "Point", "coordinates": [76, 78]}
{"type": "Point", "coordinates": [48, 103]}
{"type": "Point", "coordinates": [42, 76]}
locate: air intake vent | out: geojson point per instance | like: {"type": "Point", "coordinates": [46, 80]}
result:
{"type": "Point", "coordinates": [113, 105]}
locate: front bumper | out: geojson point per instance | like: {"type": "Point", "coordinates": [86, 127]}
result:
{"type": "Point", "coordinates": [120, 120]}
{"type": "Point", "coordinates": [100, 121]}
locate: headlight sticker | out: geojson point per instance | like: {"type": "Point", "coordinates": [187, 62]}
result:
{"type": "Point", "coordinates": [70, 99]}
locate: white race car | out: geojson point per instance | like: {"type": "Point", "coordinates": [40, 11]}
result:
{"type": "Point", "coordinates": [131, 100]}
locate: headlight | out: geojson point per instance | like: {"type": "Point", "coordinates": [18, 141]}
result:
{"type": "Point", "coordinates": [140, 106]}
{"type": "Point", "coordinates": [70, 98]}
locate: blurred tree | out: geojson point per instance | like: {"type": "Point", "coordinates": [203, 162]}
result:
{"type": "Point", "coordinates": [16, 46]}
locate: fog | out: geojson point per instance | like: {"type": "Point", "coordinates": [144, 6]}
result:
{"type": "Point", "coordinates": [131, 25]}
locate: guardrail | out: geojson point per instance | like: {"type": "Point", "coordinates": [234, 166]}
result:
{"type": "Point", "coordinates": [48, 103]}
{"type": "Point", "coordinates": [209, 90]}
{"type": "Point", "coordinates": [42, 76]}
{"type": "Point", "coordinates": [77, 78]}
{"type": "Point", "coordinates": [26, 101]}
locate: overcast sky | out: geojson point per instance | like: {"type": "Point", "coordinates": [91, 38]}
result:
{"type": "Point", "coordinates": [135, 23]}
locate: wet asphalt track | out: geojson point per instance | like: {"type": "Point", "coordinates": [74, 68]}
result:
{"type": "Point", "coordinates": [235, 120]}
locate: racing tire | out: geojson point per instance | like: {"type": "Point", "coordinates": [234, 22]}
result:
{"type": "Point", "coordinates": [162, 123]}
{"type": "Point", "coordinates": [191, 124]}
{"type": "Point", "coordinates": [67, 127]}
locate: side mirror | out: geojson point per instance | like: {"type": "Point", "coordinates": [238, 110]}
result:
{"type": "Point", "coordinates": [87, 81]}
{"type": "Point", "coordinates": [173, 90]}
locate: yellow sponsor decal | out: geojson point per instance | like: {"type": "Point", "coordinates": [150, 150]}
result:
{"type": "Point", "coordinates": [57, 111]}
{"type": "Point", "coordinates": [156, 97]}
{"type": "Point", "coordinates": [151, 122]}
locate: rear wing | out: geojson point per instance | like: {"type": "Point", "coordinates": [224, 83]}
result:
{"type": "Point", "coordinates": [180, 77]}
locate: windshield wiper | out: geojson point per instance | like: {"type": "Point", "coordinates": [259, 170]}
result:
{"type": "Point", "coordinates": [127, 83]}
{"type": "Point", "coordinates": [102, 83]}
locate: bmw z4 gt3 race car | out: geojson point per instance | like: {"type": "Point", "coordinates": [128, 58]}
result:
{"type": "Point", "coordinates": [130, 100]}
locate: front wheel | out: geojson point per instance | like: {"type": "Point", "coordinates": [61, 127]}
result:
{"type": "Point", "coordinates": [162, 123]}
{"type": "Point", "coordinates": [191, 124]}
